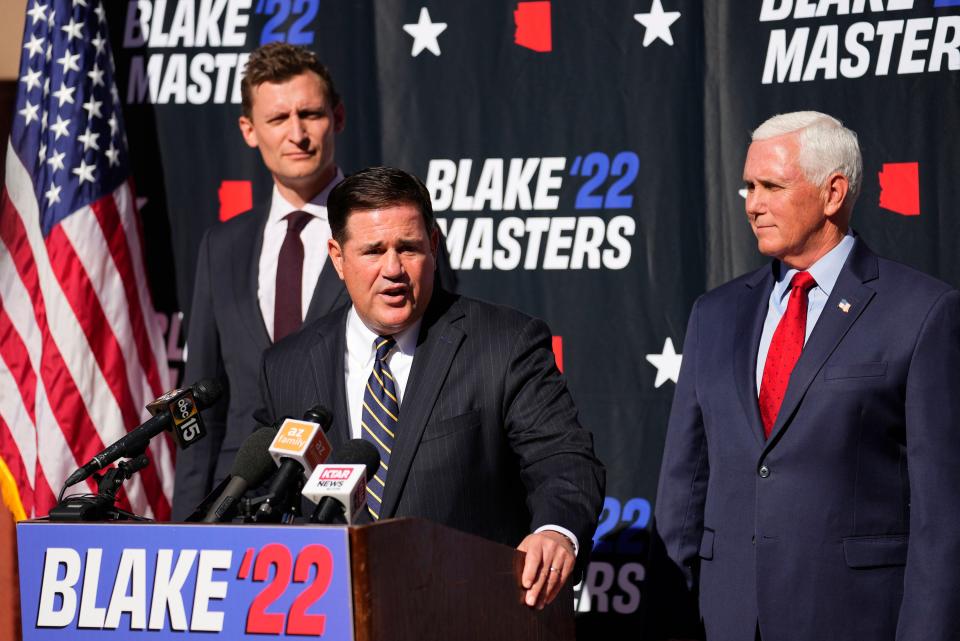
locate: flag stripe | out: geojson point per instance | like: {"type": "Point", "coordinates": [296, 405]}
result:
{"type": "Point", "coordinates": [81, 341]}
{"type": "Point", "coordinates": [45, 499]}
{"type": "Point", "coordinates": [66, 435]}
{"type": "Point", "coordinates": [71, 416]}
{"type": "Point", "coordinates": [75, 416]}
{"type": "Point", "coordinates": [13, 453]}
{"type": "Point", "coordinates": [18, 308]}
{"type": "Point", "coordinates": [163, 448]}
{"type": "Point", "coordinates": [82, 296]}
{"type": "Point", "coordinates": [125, 200]}
{"type": "Point", "coordinates": [108, 218]}
{"type": "Point", "coordinates": [20, 443]}
{"type": "Point", "coordinates": [13, 352]}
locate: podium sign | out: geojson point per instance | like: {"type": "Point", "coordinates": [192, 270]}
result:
{"type": "Point", "coordinates": [97, 581]}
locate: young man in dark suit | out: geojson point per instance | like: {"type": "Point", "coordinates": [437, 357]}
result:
{"type": "Point", "coordinates": [261, 274]}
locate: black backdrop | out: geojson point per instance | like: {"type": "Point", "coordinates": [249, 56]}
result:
{"type": "Point", "coordinates": [584, 161]}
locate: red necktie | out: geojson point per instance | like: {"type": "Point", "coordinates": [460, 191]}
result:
{"type": "Point", "coordinates": [784, 350]}
{"type": "Point", "coordinates": [287, 313]}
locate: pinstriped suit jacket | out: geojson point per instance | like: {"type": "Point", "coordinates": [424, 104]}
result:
{"type": "Point", "coordinates": [488, 442]}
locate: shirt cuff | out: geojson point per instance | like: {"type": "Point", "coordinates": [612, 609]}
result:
{"type": "Point", "coordinates": [564, 531]}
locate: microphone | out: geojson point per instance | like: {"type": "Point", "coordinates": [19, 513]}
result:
{"type": "Point", "coordinates": [299, 446]}
{"type": "Point", "coordinates": [252, 466]}
{"type": "Point", "coordinates": [340, 488]}
{"type": "Point", "coordinates": [178, 408]}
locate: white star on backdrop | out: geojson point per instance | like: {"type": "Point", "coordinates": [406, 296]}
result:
{"type": "Point", "coordinates": [667, 363]}
{"type": "Point", "coordinates": [657, 24]}
{"type": "Point", "coordinates": [425, 34]}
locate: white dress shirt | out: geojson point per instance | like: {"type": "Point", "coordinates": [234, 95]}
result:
{"type": "Point", "coordinates": [314, 237]}
{"type": "Point", "coordinates": [358, 363]}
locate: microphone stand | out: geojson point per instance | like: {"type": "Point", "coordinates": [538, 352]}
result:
{"type": "Point", "coordinates": [102, 506]}
{"type": "Point", "coordinates": [271, 508]}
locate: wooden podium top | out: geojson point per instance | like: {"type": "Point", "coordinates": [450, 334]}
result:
{"type": "Point", "coordinates": [416, 579]}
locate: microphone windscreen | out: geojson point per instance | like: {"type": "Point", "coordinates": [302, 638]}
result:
{"type": "Point", "coordinates": [207, 392]}
{"type": "Point", "coordinates": [319, 414]}
{"type": "Point", "coordinates": [253, 462]}
{"type": "Point", "coordinates": [358, 452]}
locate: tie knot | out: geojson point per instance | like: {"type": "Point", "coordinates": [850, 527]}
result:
{"type": "Point", "coordinates": [804, 281]}
{"type": "Point", "coordinates": [383, 345]}
{"type": "Point", "coordinates": [296, 221]}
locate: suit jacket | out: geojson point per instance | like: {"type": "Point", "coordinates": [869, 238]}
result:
{"type": "Point", "coordinates": [488, 440]}
{"type": "Point", "coordinates": [226, 339]}
{"type": "Point", "coordinates": [843, 525]}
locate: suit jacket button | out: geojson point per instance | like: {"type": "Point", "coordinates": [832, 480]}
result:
{"type": "Point", "coordinates": [764, 471]}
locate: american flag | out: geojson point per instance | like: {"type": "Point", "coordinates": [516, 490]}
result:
{"type": "Point", "coordinates": [81, 351]}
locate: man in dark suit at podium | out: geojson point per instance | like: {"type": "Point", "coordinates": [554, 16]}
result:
{"type": "Point", "coordinates": [261, 274]}
{"type": "Point", "coordinates": [462, 399]}
{"type": "Point", "coordinates": [810, 473]}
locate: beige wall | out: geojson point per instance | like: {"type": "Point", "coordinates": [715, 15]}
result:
{"type": "Point", "coordinates": [12, 14]}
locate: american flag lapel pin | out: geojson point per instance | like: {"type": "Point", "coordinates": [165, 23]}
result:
{"type": "Point", "coordinates": [844, 305]}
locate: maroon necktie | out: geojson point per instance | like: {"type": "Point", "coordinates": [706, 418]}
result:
{"type": "Point", "coordinates": [287, 315]}
{"type": "Point", "coordinates": [784, 350]}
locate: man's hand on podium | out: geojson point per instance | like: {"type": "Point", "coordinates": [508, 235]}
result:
{"type": "Point", "coordinates": [549, 562]}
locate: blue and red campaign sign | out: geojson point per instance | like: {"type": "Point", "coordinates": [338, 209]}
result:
{"type": "Point", "coordinates": [97, 581]}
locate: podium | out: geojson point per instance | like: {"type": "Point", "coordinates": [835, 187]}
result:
{"type": "Point", "coordinates": [397, 580]}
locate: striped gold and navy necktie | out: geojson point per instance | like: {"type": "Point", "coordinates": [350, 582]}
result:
{"type": "Point", "coordinates": [380, 418]}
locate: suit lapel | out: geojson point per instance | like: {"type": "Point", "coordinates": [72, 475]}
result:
{"type": "Point", "coordinates": [437, 345]}
{"type": "Point", "coordinates": [326, 358]}
{"type": "Point", "coordinates": [833, 325]}
{"type": "Point", "coordinates": [751, 313]}
{"type": "Point", "coordinates": [248, 263]}
{"type": "Point", "coordinates": [327, 295]}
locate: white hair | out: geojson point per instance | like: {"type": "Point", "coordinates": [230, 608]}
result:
{"type": "Point", "coordinates": [826, 146]}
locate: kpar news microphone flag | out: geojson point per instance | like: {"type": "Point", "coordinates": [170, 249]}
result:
{"type": "Point", "coordinates": [81, 351]}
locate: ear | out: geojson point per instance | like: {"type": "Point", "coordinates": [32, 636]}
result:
{"type": "Point", "coordinates": [248, 131]}
{"type": "Point", "coordinates": [336, 256]}
{"type": "Point", "coordinates": [835, 193]}
{"type": "Point", "coordinates": [339, 118]}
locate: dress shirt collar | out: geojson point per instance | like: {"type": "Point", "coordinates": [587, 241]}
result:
{"type": "Point", "coordinates": [360, 339]}
{"type": "Point", "coordinates": [280, 207]}
{"type": "Point", "coordinates": [825, 271]}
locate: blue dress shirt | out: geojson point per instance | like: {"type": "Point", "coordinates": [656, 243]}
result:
{"type": "Point", "coordinates": [825, 271]}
